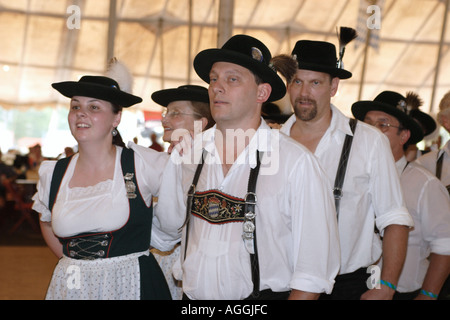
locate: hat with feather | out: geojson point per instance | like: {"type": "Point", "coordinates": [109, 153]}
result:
{"type": "Point", "coordinates": [425, 121]}
{"type": "Point", "coordinates": [392, 103]}
{"type": "Point", "coordinates": [321, 56]}
{"type": "Point", "coordinates": [114, 87]}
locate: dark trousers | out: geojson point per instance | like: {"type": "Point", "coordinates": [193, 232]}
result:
{"type": "Point", "coordinates": [406, 295]}
{"type": "Point", "coordinates": [348, 286]}
{"type": "Point", "coordinates": [263, 295]}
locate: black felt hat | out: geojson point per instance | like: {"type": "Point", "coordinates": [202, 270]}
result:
{"type": "Point", "coordinates": [319, 56]}
{"type": "Point", "coordinates": [426, 122]}
{"type": "Point", "coordinates": [271, 111]}
{"type": "Point", "coordinates": [392, 103]}
{"type": "Point", "coordinates": [98, 87]}
{"type": "Point", "coordinates": [247, 52]}
{"type": "Point", "coordinates": [182, 93]}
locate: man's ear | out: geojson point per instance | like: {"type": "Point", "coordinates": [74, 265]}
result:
{"type": "Point", "coordinates": [334, 86]}
{"type": "Point", "coordinates": [405, 135]}
{"type": "Point", "coordinates": [264, 91]}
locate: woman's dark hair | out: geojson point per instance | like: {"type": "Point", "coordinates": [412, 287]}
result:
{"type": "Point", "coordinates": [202, 109]}
{"type": "Point", "coordinates": [117, 139]}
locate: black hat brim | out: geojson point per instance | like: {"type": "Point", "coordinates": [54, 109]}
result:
{"type": "Point", "coordinates": [204, 61]}
{"type": "Point", "coordinates": [360, 109]}
{"type": "Point", "coordinates": [87, 89]}
{"type": "Point", "coordinates": [425, 120]}
{"type": "Point", "coordinates": [334, 72]}
{"type": "Point", "coordinates": [278, 118]}
{"type": "Point", "coordinates": [166, 96]}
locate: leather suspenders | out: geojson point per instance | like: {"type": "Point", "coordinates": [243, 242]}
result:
{"type": "Point", "coordinates": [439, 166]}
{"type": "Point", "coordinates": [249, 229]}
{"type": "Point", "coordinates": [340, 174]}
{"type": "Point", "coordinates": [439, 162]}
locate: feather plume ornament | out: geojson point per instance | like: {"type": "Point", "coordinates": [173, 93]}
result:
{"type": "Point", "coordinates": [285, 64]}
{"type": "Point", "coordinates": [413, 101]}
{"type": "Point", "coordinates": [345, 36]}
{"type": "Point", "coordinates": [119, 71]}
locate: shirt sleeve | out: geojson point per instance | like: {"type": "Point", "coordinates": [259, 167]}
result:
{"type": "Point", "coordinates": [150, 165]}
{"type": "Point", "coordinates": [41, 197]}
{"type": "Point", "coordinates": [170, 209]}
{"type": "Point", "coordinates": [434, 206]}
{"type": "Point", "coordinates": [386, 189]}
{"type": "Point", "coordinates": [316, 240]}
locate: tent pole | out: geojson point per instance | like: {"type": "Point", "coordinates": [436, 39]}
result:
{"type": "Point", "coordinates": [438, 62]}
{"type": "Point", "coordinates": [363, 72]}
{"type": "Point", "coordinates": [112, 25]}
{"type": "Point", "coordinates": [225, 25]}
{"type": "Point", "coordinates": [189, 44]}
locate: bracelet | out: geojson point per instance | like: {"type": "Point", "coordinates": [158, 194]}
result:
{"type": "Point", "coordinates": [388, 284]}
{"type": "Point", "coordinates": [428, 293]}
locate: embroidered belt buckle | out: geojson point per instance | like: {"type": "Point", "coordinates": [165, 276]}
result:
{"type": "Point", "coordinates": [130, 186]}
{"type": "Point", "coordinates": [217, 207]}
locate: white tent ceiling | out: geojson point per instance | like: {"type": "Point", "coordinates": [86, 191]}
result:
{"type": "Point", "coordinates": [158, 40]}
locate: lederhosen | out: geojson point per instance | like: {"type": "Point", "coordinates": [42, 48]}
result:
{"type": "Point", "coordinates": [217, 208]}
{"type": "Point", "coordinates": [439, 162]}
{"type": "Point", "coordinates": [133, 237]}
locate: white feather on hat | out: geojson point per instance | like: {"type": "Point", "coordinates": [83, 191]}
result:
{"type": "Point", "coordinates": [118, 71]}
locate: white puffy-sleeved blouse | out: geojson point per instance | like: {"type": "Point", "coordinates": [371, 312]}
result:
{"type": "Point", "coordinates": [101, 207]}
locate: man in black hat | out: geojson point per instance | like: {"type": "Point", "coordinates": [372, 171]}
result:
{"type": "Point", "coordinates": [426, 198]}
{"type": "Point", "coordinates": [358, 162]}
{"type": "Point", "coordinates": [260, 223]}
{"type": "Point", "coordinates": [438, 161]}
{"type": "Point", "coordinates": [425, 121]}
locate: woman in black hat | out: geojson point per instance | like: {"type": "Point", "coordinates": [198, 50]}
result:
{"type": "Point", "coordinates": [95, 207]}
{"type": "Point", "coordinates": [186, 106]}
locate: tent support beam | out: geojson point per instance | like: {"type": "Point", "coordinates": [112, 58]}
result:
{"type": "Point", "coordinates": [363, 71]}
{"type": "Point", "coordinates": [439, 57]}
{"type": "Point", "coordinates": [225, 25]}
{"type": "Point", "coordinates": [189, 55]}
{"type": "Point", "coordinates": [112, 27]}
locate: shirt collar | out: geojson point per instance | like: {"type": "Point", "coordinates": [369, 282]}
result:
{"type": "Point", "coordinates": [339, 122]}
{"type": "Point", "coordinates": [264, 140]}
{"type": "Point", "coordinates": [400, 165]}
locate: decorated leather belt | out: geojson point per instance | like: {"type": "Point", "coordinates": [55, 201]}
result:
{"type": "Point", "coordinates": [217, 207]}
{"type": "Point", "coordinates": [87, 247]}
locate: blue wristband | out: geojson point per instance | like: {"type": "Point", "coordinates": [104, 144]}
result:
{"type": "Point", "coordinates": [388, 284]}
{"type": "Point", "coordinates": [428, 294]}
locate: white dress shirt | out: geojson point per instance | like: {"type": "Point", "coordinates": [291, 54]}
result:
{"type": "Point", "coordinates": [429, 204]}
{"type": "Point", "coordinates": [429, 160]}
{"type": "Point", "coordinates": [296, 227]}
{"type": "Point", "coordinates": [372, 194]}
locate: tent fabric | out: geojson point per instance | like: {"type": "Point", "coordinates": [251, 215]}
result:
{"type": "Point", "coordinates": [46, 41]}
